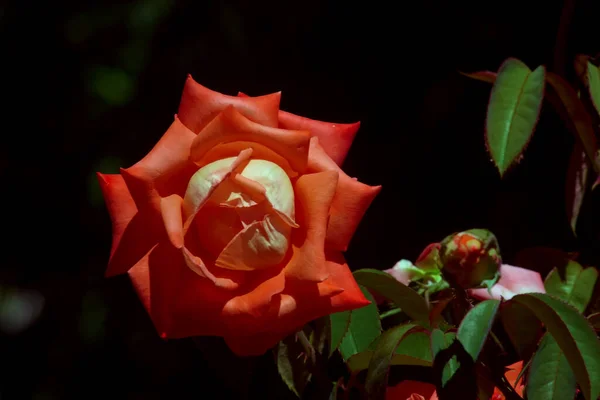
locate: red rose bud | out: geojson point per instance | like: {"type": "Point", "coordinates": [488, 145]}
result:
{"type": "Point", "coordinates": [471, 259]}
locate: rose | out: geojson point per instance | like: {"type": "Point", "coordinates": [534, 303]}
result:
{"type": "Point", "coordinates": [234, 224]}
{"type": "Point", "coordinates": [415, 390]}
{"type": "Point", "coordinates": [411, 390]}
{"type": "Point", "coordinates": [471, 259]}
{"type": "Point", "coordinates": [513, 281]}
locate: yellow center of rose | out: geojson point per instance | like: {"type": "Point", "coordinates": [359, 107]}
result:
{"type": "Point", "coordinates": [246, 220]}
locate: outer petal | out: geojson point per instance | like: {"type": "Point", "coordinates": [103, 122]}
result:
{"type": "Point", "coordinates": [165, 170]}
{"type": "Point", "coordinates": [513, 281]}
{"type": "Point", "coordinates": [133, 232]}
{"type": "Point", "coordinates": [340, 276]}
{"type": "Point", "coordinates": [155, 279]}
{"type": "Point", "coordinates": [202, 309]}
{"type": "Point", "coordinates": [200, 105]}
{"type": "Point", "coordinates": [350, 203]}
{"type": "Point", "coordinates": [335, 138]}
{"type": "Point", "coordinates": [247, 309]}
{"type": "Point", "coordinates": [314, 194]}
{"type": "Point", "coordinates": [299, 303]}
{"type": "Point", "coordinates": [232, 126]}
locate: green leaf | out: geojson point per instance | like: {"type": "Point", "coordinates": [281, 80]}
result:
{"type": "Point", "coordinates": [441, 341]}
{"type": "Point", "coordinates": [401, 295]}
{"type": "Point", "coordinates": [414, 349]}
{"type": "Point", "coordinates": [338, 326]}
{"type": "Point", "coordinates": [417, 345]}
{"type": "Point", "coordinates": [571, 111]}
{"type": "Point", "coordinates": [513, 111]}
{"type": "Point", "coordinates": [475, 327]}
{"type": "Point", "coordinates": [292, 366]}
{"type": "Point", "coordinates": [360, 361]}
{"type": "Point", "coordinates": [364, 328]}
{"type": "Point", "coordinates": [580, 119]}
{"type": "Point", "coordinates": [578, 286]}
{"type": "Point", "coordinates": [319, 333]}
{"type": "Point", "coordinates": [574, 335]}
{"type": "Point", "coordinates": [522, 328]}
{"type": "Point", "coordinates": [377, 374]}
{"type": "Point", "coordinates": [593, 80]}
{"type": "Point", "coordinates": [550, 376]}
{"type": "Point", "coordinates": [576, 184]}
{"type": "Point", "coordinates": [484, 76]}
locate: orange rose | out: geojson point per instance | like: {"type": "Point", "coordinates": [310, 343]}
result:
{"type": "Point", "coordinates": [512, 373]}
{"type": "Point", "coordinates": [415, 390]}
{"type": "Point", "coordinates": [235, 222]}
{"type": "Point", "coordinates": [411, 390]}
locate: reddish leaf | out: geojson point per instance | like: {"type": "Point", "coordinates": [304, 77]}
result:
{"type": "Point", "coordinates": [576, 183]}
{"type": "Point", "coordinates": [579, 117]}
{"type": "Point", "coordinates": [485, 76]}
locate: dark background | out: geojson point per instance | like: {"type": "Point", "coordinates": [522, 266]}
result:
{"type": "Point", "coordinates": [91, 86]}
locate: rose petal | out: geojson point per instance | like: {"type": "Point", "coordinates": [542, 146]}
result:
{"type": "Point", "coordinates": [351, 201]}
{"type": "Point", "coordinates": [131, 238]}
{"type": "Point", "coordinates": [170, 208]}
{"type": "Point", "coordinates": [266, 181]}
{"type": "Point", "coordinates": [199, 105]}
{"type": "Point", "coordinates": [155, 279]}
{"type": "Point", "coordinates": [195, 315]}
{"type": "Point", "coordinates": [259, 245]}
{"type": "Point", "coordinates": [224, 313]}
{"type": "Point", "coordinates": [119, 203]}
{"type": "Point", "coordinates": [401, 275]}
{"type": "Point", "coordinates": [231, 126]}
{"type": "Point", "coordinates": [407, 389]}
{"type": "Point", "coordinates": [314, 194]}
{"type": "Point", "coordinates": [259, 152]}
{"type": "Point", "coordinates": [227, 281]}
{"type": "Point", "coordinates": [256, 301]}
{"type": "Point", "coordinates": [299, 303]}
{"type": "Point", "coordinates": [206, 180]}
{"type": "Point", "coordinates": [340, 276]}
{"type": "Point", "coordinates": [513, 281]}
{"type": "Point", "coordinates": [165, 170]}
{"type": "Point", "coordinates": [335, 138]}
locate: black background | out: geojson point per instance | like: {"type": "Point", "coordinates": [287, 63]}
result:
{"type": "Point", "coordinates": [91, 86]}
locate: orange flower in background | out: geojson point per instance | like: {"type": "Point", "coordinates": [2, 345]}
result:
{"type": "Point", "coordinates": [513, 281]}
{"type": "Point", "coordinates": [411, 390]}
{"type": "Point", "coordinates": [234, 224]}
{"type": "Point", "coordinates": [415, 390]}
{"type": "Point", "coordinates": [511, 376]}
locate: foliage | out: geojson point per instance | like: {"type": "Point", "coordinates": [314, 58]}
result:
{"type": "Point", "coordinates": [430, 319]}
